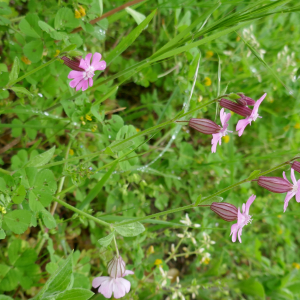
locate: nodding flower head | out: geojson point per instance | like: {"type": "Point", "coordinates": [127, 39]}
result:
{"type": "Point", "coordinates": [244, 100]}
{"type": "Point", "coordinates": [275, 184]}
{"type": "Point", "coordinates": [296, 166]}
{"type": "Point", "coordinates": [205, 126]}
{"type": "Point", "coordinates": [116, 267]}
{"type": "Point", "coordinates": [236, 107]}
{"type": "Point", "coordinates": [226, 211]}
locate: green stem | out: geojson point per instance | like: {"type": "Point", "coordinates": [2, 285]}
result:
{"type": "Point", "coordinates": [78, 211]}
{"type": "Point", "coordinates": [4, 171]}
{"type": "Point", "coordinates": [31, 72]}
{"type": "Point", "coordinates": [116, 246]}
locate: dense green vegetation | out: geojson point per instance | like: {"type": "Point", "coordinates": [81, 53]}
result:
{"type": "Point", "coordinates": [84, 171]}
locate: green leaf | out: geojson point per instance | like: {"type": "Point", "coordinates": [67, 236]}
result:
{"type": "Point", "coordinates": [3, 68]}
{"type": "Point", "coordinates": [75, 294]}
{"type": "Point", "coordinates": [3, 297]}
{"type": "Point", "coordinates": [20, 90]}
{"type": "Point", "coordinates": [15, 70]}
{"type": "Point", "coordinates": [65, 18]}
{"type": "Point", "coordinates": [4, 9]}
{"type": "Point", "coordinates": [59, 280]}
{"type": "Point", "coordinates": [129, 39]}
{"type": "Point", "coordinates": [17, 220]}
{"type": "Point", "coordinates": [252, 287]}
{"type": "Point", "coordinates": [132, 229]}
{"type": "Point", "coordinates": [254, 174]}
{"type": "Point", "coordinates": [2, 236]}
{"type": "Point", "coordinates": [51, 31]}
{"type": "Point", "coordinates": [48, 219]}
{"type": "Point", "coordinates": [20, 195]}
{"type": "Point", "coordinates": [41, 159]}
{"type": "Point", "coordinates": [28, 29]}
{"type": "Point", "coordinates": [34, 50]}
{"type": "Point", "coordinates": [138, 17]}
{"type": "Point", "coordinates": [34, 203]}
{"type": "Point", "coordinates": [104, 242]}
{"type": "Point", "coordinates": [98, 187]}
{"type": "Point", "coordinates": [203, 201]}
{"type": "Point", "coordinates": [69, 48]}
{"type": "Point", "coordinates": [4, 21]}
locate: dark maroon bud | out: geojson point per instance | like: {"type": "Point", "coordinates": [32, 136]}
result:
{"type": "Point", "coordinates": [275, 184]}
{"type": "Point", "coordinates": [72, 63]}
{"type": "Point", "coordinates": [226, 211]}
{"type": "Point", "coordinates": [296, 166]}
{"type": "Point", "coordinates": [241, 101]}
{"type": "Point", "coordinates": [235, 107]}
{"type": "Point", "coordinates": [205, 126]}
{"type": "Point", "coordinates": [248, 100]}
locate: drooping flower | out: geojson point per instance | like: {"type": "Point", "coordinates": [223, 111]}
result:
{"type": "Point", "coordinates": [295, 190]}
{"type": "Point", "coordinates": [217, 137]}
{"type": "Point", "coordinates": [226, 211]}
{"type": "Point", "coordinates": [243, 219]}
{"type": "Point", "coordinates": [242, 124]}
{"type": "Point", "coordinates": [205, 126]}
{"type": "Point", "coordinates": [244, 100]}
{"type": "Point", "coordinates": [296, 166]}
{"type": "Point", "coordinates": [114, 283]}
{"type": "Point", "coordinates": [275, 184]}
{"type": "Point", "coordinates": [84, 72]}
{"type": "Point", "coordinates": [239, 109]}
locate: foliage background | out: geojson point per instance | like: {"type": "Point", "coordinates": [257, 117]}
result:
{"type": "Point", "coordinates": [41, 112]}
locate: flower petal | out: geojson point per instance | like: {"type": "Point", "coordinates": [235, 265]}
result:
{"type": "Point", "coordinates": [240, 233]}
{"type": "Point", "coordinates": [222, 116]}
{"type": "Point", "coordinates": [241, 125]}
{"type": "Point", "coordinates": [119, 288]}
{"type": "Point", "coordinates": [96, 58]}
{"type": "Point", "coordinates": [91, 82]}
{"type": "Point", "coordinates": [75, 82]}
{"type": "Point", "coordinates": [234, 230]}
{"type": "Point", "coordinates": [106, 288]}
{"type": "Point", "coordinates": [288, 197]}
{"type": "Point", "coordinates": [249, 202]}
{"type": "Point", "coordinates": [88, 59]}
{"type": "Point", "coordinates": [83, 64]}
{"type": "Point", "coordinates": [99, 280]}
{"type": "Point", "coordinates": [85, 85]}
{"type": "Point", "coordinates": [75, 74]}
{"type": "Point", "coordinates": [80, 84]}
{"type": "Point", "coordinates": [257, 104]}
{"type": "Point", "coordinates": [226, 119]}
{"type": "Point", "coordinates": [128, 272]}
{"type": "Point", "coordinates": [293, 176]}
{"type": "Point", "coordinates": [126, 285]}
{"type": "Point", "coordinates": [298, 192]}
{"type": "Point", "coordinates": [100, 65]}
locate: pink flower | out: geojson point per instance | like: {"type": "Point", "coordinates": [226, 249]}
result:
{"type": "Point", "coordinates": [242, 220]}
{"type": "Point", "coordinates": [295, 190]}
{"type": "Point", "coordinates": [275, 184]}
{"type": "Point", "coordinates": [242, 124]}
{"type": "Point", "coordinates": [217, 137]}
{"type": "Point", "coordinates": [114, 283]}
{"type": "Point", "coordinates": [83, 79]}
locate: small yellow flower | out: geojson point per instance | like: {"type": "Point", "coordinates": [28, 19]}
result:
{"type": "Point", "coordinates": [94, 128]}
{"type": "Point", "coordinates": [25, 60]}
{"type": "Point", "coordinates": [209, 54]}
{"type": "Point", "coordinates": [137, 129]}
{"type": "Point", "coordinates": [56, 53]}
{"type": "Point", "coordinates": [296, 266]}
{"type": "Point", "coordinates": [206, 260]}
{"type": "Point", "coordinates": [82, 121]}
{"type": "Point", "coordinates": [71, 152]}
{"type": "Point", "coordinates": [77, 14]}
{"type": "Point", "coordinates": [226, 139]}
{"type": "Point", "coordinates": [82, 11]}
{"type": "Point", "coordinates": [297, 126]}
{"type": "Point", "coordinates": [207, 81]}
{"type": "Point", "coordinates": [158, 262]}
{"type": "Point", "coordinates": [88, 117]}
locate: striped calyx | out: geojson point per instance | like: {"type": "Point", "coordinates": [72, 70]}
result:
{"type": "Point", "coordinates": [275, 184]}
{"type": "Point", "coordinates": [235, 107]}
{"type": "Point", "coordinates": [226, 211]}
{"type": "Point", "coordinates": [205, 126]}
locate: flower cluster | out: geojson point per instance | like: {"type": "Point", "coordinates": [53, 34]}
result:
{"type": "Point", "coordinates": [240, 107]}
{"type": "Point", "coordinates": [114, 283]}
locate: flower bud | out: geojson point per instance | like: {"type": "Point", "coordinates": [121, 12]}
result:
{"type": "Point", "coordinates": [235, 107]}
{"type": "Point", "coordinates": [296, 166]}
{"type": "Point", "coordinates": [116, 267]}
{"type": "Point", "coordinates": [204, 126]}
{"type": "Point", "coordinates": [248, 100]}
{"type": "Point", "coordinates": [275, 184]}
{"type": "Point", "coordinates": [72, 63]}
{"type": "Point", "coordinates": [226, 211]}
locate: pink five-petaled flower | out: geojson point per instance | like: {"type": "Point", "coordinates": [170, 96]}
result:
{"type": "Point", "coordinates": [242, 124]}
{"type": "Point", "coordinates": [295, 190]}
{"type": "Point", "coordinates": [114, 283]}
{"type": "Point", "coordinates": [83, 79]}
{"type": "Point", "coordinates": [243, 219]}
{"type": "Point", "coordinates": [217, 137]}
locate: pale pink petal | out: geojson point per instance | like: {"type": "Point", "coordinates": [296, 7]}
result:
{"type": "Point", "coordinates": [106, 288]}
{"type": "Point", "coordinates": [298, 192]}
{"type": "Point", "coordinates": [100, 65]}
{"type": "Point", "coordinates": [234, 230]}
{"type": "Point", "coordinates": [85, 85]}
{"type": "Point", "coordinates": [91, 82]}
{"type": "Point", "coordinates": [244, 208]}
{"type": "Point", "coordinates": [288, 197]}
{"type": "Point", "coordinates": [79, 86]}
{"type": "Point", "coordinates": [119, 288]}
{"type": "Point", "coordinates": [99, 280]}
{"type": "Point", "coordinates": [75, 74]}
{"type": "Point", "coordinates": [241, 125]}
{"type": "Point", "coordinates": [96, 58]}
{"type": "Point", "coordinates": [74, 82]}
{"type": "Point", "coordinates": [240, 233]}
{"type": "Point", "coordinates": [257, 104]}
{"type": "Point", "coordinates": [249, 202]}
{"type": "Point", "coordinates": [126, 284]}
{"type": "Point", "coordinates": [222, 116]}
{"type": "Point", "coordinates": [283, 174]}
{"type": "Point", "coordinates": [128, 272]}
{"type": "Point", "coordinates": [293, 176]}
{"type": "Point", "coordinates": [226, 119]}
{"type": "Point", "coordinates": [88, 59]}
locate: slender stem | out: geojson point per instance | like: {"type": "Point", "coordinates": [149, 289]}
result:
{"type": "Point", "coordinates": [78, 211]}
{"type": "Point", "coordinates": [177, 246]}
{"type": "Point", "coordinates": [4, 171]}
{"type": "Point", "coordinates": [31, 72]}
{"type": "Point", "coordinates": [116, 246]}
